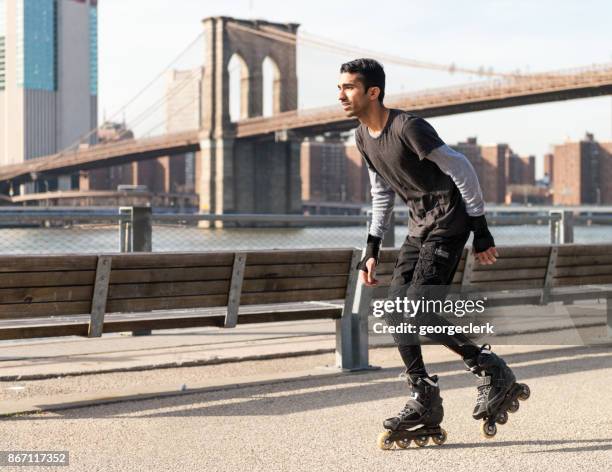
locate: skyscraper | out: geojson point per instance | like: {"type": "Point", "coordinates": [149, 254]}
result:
{"type": "Point", "coordinates": [48, 76]}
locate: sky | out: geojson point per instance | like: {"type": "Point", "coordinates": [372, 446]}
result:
{"type": "Point", "coordinates": [136, 42]}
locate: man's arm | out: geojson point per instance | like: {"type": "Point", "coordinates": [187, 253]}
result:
{"type": "Point", "coordinates": [461, 171]}
{"type": "Point", "coordinates": [383, 200]}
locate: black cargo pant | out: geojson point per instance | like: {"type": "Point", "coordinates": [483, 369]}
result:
{"type": "Point", "coordinates": [424, 269]}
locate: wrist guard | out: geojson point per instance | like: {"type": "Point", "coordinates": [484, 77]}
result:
{"type": "Point", "coordinates": [372, 250]}
{"type": "Point", "coordinates": [483, 239]}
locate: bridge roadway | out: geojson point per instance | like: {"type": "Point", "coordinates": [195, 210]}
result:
{"type": "Point", "coordinates": [535, 88]}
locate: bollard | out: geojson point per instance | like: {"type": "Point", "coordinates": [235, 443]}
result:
{"type": "Point", "coordinates": [561, 227]}
{"type": "Point", "coordinates": [136, 235]}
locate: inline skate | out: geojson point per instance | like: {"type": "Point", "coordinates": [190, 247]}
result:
{"type": "Point", "coordinates": [498, 392]}
{"type": "Point", "coordinates": [419, 419]}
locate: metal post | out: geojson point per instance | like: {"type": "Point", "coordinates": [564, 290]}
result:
{"type": "Point", "coordinates": [352, 328]}
{"type": "Point", "coordinates": [136, 235]}
{"type": "Point", "coordinates": [125, 230]}
{"type": "Point", "coordinates": [142, 229]}
{"type": "Point", "coordinates": [609, 314]}
{"type": "Point", "coordinates": [561, 227]}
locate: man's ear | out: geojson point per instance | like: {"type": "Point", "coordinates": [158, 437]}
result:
{"type": "Point", "coordinates": [374, 92]}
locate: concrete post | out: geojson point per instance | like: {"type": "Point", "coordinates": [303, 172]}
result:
{"type": "Point", "coordinates": [136, 235]}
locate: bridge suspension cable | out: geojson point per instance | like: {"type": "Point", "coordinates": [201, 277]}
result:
{"type": "Point", "coordinates": [146, 87]}
{"type": "Point", "coordinates": [337, 47]}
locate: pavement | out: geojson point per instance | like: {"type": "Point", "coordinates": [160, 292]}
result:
{"type": "Point", "coordinates": [259, 397]}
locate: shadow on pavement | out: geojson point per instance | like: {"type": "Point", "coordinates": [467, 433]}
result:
{"type": "Point", "coordinates": [311, 394]}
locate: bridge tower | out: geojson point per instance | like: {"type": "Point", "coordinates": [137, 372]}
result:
{"type": "Point", "coordinates": [247, 175]}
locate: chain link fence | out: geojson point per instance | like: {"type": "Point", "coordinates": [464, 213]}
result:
{"type": "Point", "coordinates": [109, 230]}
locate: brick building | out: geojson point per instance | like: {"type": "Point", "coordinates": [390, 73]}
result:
{"type": "Point", "coordinates": [333, 171]}
{"type": "Point", "coordinates": [582, 172]}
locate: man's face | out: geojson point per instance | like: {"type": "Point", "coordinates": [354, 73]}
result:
{"type": "Point", "coordinates": [352, 95]}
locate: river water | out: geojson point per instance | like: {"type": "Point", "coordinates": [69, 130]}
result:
{"type": "Point", "coordinates": [96, 239]}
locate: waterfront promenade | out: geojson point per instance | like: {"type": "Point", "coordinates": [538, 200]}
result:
{"type": "Point", "coordinates": [283, 411]}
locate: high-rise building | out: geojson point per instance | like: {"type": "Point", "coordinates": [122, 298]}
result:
{"type": "Point", "coordinates": [184, 100]}
{"type": "Point", "coordinates": [48, 76]}
{"type": "Point", "coordinates": [582, 172]}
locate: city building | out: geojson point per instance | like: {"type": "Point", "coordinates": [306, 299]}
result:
{"type": "Point", "coordinates": [333, 171]}
{"type": "Point", "coordinates": [520, 170]}
{"type": "Point", "coordinates": [548, 169]}
{"type": "Point", "coordinates": [48, 78]}
{"type": "Point", "coordinates": [582, 172]}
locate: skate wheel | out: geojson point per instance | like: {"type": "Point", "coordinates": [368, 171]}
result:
{"type": "Point", "coordinates": [525, 393]}
{"type": "Point", "coordinates": [502, 418]}
{"type": "Point", "coordinates": [421, 440]}
{"type": "Point", "coordinates": [488, 430]}
{"type": "Point", "coordinates": [403, 443]}
{"type": "Point", "coordinates": [514, 406]}
{"type": "Point", "coordinates": [383, 441]}
{"type": "Point", "coordinates": [439, 439]}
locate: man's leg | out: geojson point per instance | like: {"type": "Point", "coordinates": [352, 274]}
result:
{"type": "Point", "coordinates": [408, 346]}
{"type": "Point", "coordinates": [432, 279]}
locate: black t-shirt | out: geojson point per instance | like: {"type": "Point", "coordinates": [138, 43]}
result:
{"type": "Point", "coordinates": [398, 156]}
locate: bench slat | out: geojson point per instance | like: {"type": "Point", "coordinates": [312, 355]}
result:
{"type": "Point", "coordinates": [296, 270]}
{"type": "Point", "coordinates": [47, 279]}
{"type": "Point", "coordinates": [165, 303]}
{"type": "Point", "coordinates": [592, 279]}
{"type": "Point", "coordinates": [296, 283]}
{"type": "Point", "coordinates": [28, 263]}
{"type": "Point", "coordinates": [35, 310]}
{"type": "Point", "coordinates": [168, 289]}
{"type": "Point", "coordinates": [513, 263]}
{"type": "Point", "coordinates": [181, 274]}
{"type": "Point", "coordinates": [518, 274]}
{"type": "Point", "coordinates": [167, 260]}
{"type": "Point", "coordinates": [292, 296]}
{"type": "Point", "coordinates": [573, 261]}
{"type": "Point", "coordinates": [508, 284]}
{"type": "Point", "coordinates": [584, 270]}
{"type": "Point", "coordinates": [584, 250]}
{"type": "Point", "coordinates": [298, 257]}
{"type": "Point", "coordinates": [29, 295]}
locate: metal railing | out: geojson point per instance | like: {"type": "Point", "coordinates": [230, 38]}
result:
{"type": "Point", "coordinates": [127, 229]}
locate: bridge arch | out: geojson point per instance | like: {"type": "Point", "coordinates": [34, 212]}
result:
{"type": "Point", "coordinates": [253, 41]}
{"type": "Point", "coordinates": [238, 82]}
{"type": "Point", "coordinates": [272, 87]}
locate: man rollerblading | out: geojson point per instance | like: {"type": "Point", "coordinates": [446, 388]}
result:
{"type": "Point", "coordinates": [406, 157]}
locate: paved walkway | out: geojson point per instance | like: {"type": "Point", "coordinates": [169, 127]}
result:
{"type": "Point", "coordinates": [259, 398]}
{"type": "Point", "coordinates": [323, 421]}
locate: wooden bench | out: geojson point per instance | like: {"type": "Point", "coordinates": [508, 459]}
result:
{"type": "Point", "coordinates": [87, 295]}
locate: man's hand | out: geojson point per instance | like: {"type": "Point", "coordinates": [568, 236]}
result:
{"type": "Point", "coordinates": [487, 257]}
{"type": "Point", "coordinates": [483, 243]}
{"type": "Point", "coordinates": [368, 277]}
{"type": "Point", "coordinates": [367, 265]}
